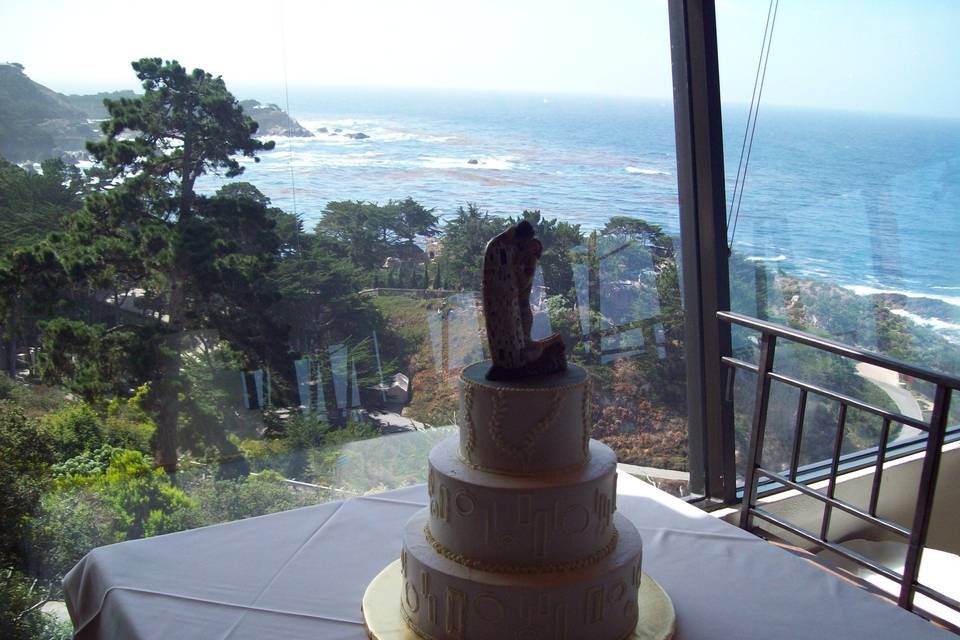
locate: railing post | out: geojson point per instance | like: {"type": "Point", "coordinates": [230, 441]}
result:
{"type": "Point", "coordinates": [768, 348]}
{"type": "Point", "coordinates": [834, 469]}
{"type": "Point", "coordinates": [928, 483]}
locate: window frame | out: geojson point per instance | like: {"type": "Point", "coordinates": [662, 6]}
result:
{"type": "Point", "coordinates": [703, 239]}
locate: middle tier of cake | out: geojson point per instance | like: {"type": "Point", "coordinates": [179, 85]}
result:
{"type": "Point", "coordinates": [548, 522]}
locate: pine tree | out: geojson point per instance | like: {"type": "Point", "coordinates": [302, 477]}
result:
{"type": "Point", "coordinates": [152, 231]}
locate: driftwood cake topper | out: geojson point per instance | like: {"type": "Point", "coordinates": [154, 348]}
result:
{"type": "Point", "coordinates": [509, 263]}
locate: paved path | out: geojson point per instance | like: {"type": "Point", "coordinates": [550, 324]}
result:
{"type": "Point", "coordinates": [392, 422]}
{"type": "Point", "coordinates": [889, 382]}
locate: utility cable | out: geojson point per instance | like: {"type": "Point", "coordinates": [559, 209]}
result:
{"type": "Point", "coordinates": [750, 130]}
{"type": "Point", "coordinates": [746, 129]}
{"type": "Point", "coordinates": [286, 92]}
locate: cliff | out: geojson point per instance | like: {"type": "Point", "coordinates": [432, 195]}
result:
{"type": "Point", "coordinates": [273, 120]}
{"type": "Point", "coordinates": [92, 104]}
{"type": "Point", "coordinates": [37, 123]}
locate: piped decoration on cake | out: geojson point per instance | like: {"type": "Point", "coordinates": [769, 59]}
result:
{"type": "Point", "coordinates": [522, 450]}
{"type": "Point", "coordinates": [509, 263]}
{"type": "Point", "coordinates": [536, 425]}
{"type": "Point", "coordinates": [502, 567]}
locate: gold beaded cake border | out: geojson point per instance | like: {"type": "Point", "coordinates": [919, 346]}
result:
{"type": "Point", "coordinates": [565, 387]}
{"type": "Point", "coordinates": [585, 417]}
{"type": "Point", "coordinates": [471, 442]}
{"type": "Point", "coordinates": [524, 474]}
{"type": "Point", "coordinates": [495, 567]}
{"type": "Point", "coordinates": [413, 627]}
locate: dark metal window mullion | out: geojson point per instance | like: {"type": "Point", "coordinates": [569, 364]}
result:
{"type": "Point", "coordinates": [703, 239]}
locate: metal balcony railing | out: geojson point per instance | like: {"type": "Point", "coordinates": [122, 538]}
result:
{"type": "Point", "coordinates": [934, 433]}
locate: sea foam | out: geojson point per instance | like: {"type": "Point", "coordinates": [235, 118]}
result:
{"type": "Point", "coordinates": [646, 172]}
{"type": "Point", "coordinates": [779, 258]}
{"type": "Point", "coordinates": [947, 329]}
{"type": "Point", "coordinates": [861, 290]}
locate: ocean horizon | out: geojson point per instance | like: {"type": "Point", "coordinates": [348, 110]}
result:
{"type": "Point", "coordinates": [865, 201]}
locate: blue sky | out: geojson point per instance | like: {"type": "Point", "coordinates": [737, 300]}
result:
{"type": "Point", "coordinates": [874, 55]}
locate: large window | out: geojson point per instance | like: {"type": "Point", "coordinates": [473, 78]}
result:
{"type": "Point", "coordinates": [184, 347]}
{"type": "Point", "coordinates": [842, 202]}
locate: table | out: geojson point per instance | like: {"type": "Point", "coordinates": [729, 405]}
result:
{"type": "Point", "coordinates": [302, 573]}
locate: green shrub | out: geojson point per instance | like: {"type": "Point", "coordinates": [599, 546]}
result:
{"type": "Point", "coordinates": [255, 495]}
{"type": "Point", "coordinates": [134, 499]}
{"type": "Point", "coordinates": [54, 629]}
{"type": "Point", "coordinates": [127, 424]}
{"type": "Point", "coordinates": [16, 596]}
{"type": "Point", "coordinates": [25, 456]}
{"type": "Point", "coordinates": [88, 463]}
{"type": "Point", "coordinates": [75, 429]}
{"type": "Point", "coordinates": [67, 525]}
{"type": "Point", "coordinates": [7, 387]}
{"type": "Point", "coordinates": [263, 455]}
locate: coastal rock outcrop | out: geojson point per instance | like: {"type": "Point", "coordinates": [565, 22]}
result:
{"type": "Point", "coordinates": [273, 120]}
{"type": "Point", "coordinates": [38, 123]}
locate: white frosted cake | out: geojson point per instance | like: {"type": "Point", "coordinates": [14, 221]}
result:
{"type": "Point", "coordinates": [521, 539]}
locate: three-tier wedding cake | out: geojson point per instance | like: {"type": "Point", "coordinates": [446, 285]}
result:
{"type": "Point", "coordinates": [522, 539]}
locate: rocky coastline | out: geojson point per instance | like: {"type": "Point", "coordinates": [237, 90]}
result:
{"type": "Point", "coordinates": [37, 123]}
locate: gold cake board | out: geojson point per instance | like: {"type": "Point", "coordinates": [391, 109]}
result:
{"type": "Point", "coordinates": [381, 609]}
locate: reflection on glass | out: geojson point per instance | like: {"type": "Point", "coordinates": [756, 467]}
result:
{"type": "Point", "coordinates": [538, 297]}
{"type": "Point", "coordinates": [303, 370]}
{"type": "Point", "coordinates": [847, 226]}
{"type": "Point", "coordinates": [435, 325]}
{"type": "Point", "coordinates": [338, 371]}
{"type": "Point", "coordinates": [354, 386]}
{"type": "Point", "coordinates": [295, 334]}
{"type": "Point", "coordinates": [461, 331]}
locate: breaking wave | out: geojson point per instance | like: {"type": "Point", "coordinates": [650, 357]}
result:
{"type": "Point", "coordinates": [949, 330]}
{"type": "Point", "coordinates": [779, 258]}
{"type": "Point", "coordinates": [646, 172]}
{"type": "Point", "coordinates": [867, 291]}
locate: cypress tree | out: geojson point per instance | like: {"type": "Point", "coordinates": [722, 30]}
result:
{"type": "Point", "coordinates": [185, 125]}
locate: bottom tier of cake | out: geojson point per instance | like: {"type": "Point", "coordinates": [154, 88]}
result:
{"type": "Point", "coordinates": [444, 600]}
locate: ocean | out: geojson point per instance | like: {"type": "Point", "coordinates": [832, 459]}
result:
{"type": "Point", "coordinates": [866, 201]}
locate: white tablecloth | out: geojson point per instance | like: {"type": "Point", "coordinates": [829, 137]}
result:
{"type": "Point", "coordinates": [302, 573]}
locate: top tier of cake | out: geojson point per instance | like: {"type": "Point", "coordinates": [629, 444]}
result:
{"type": "Point", "coordinates": [527, 426]}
